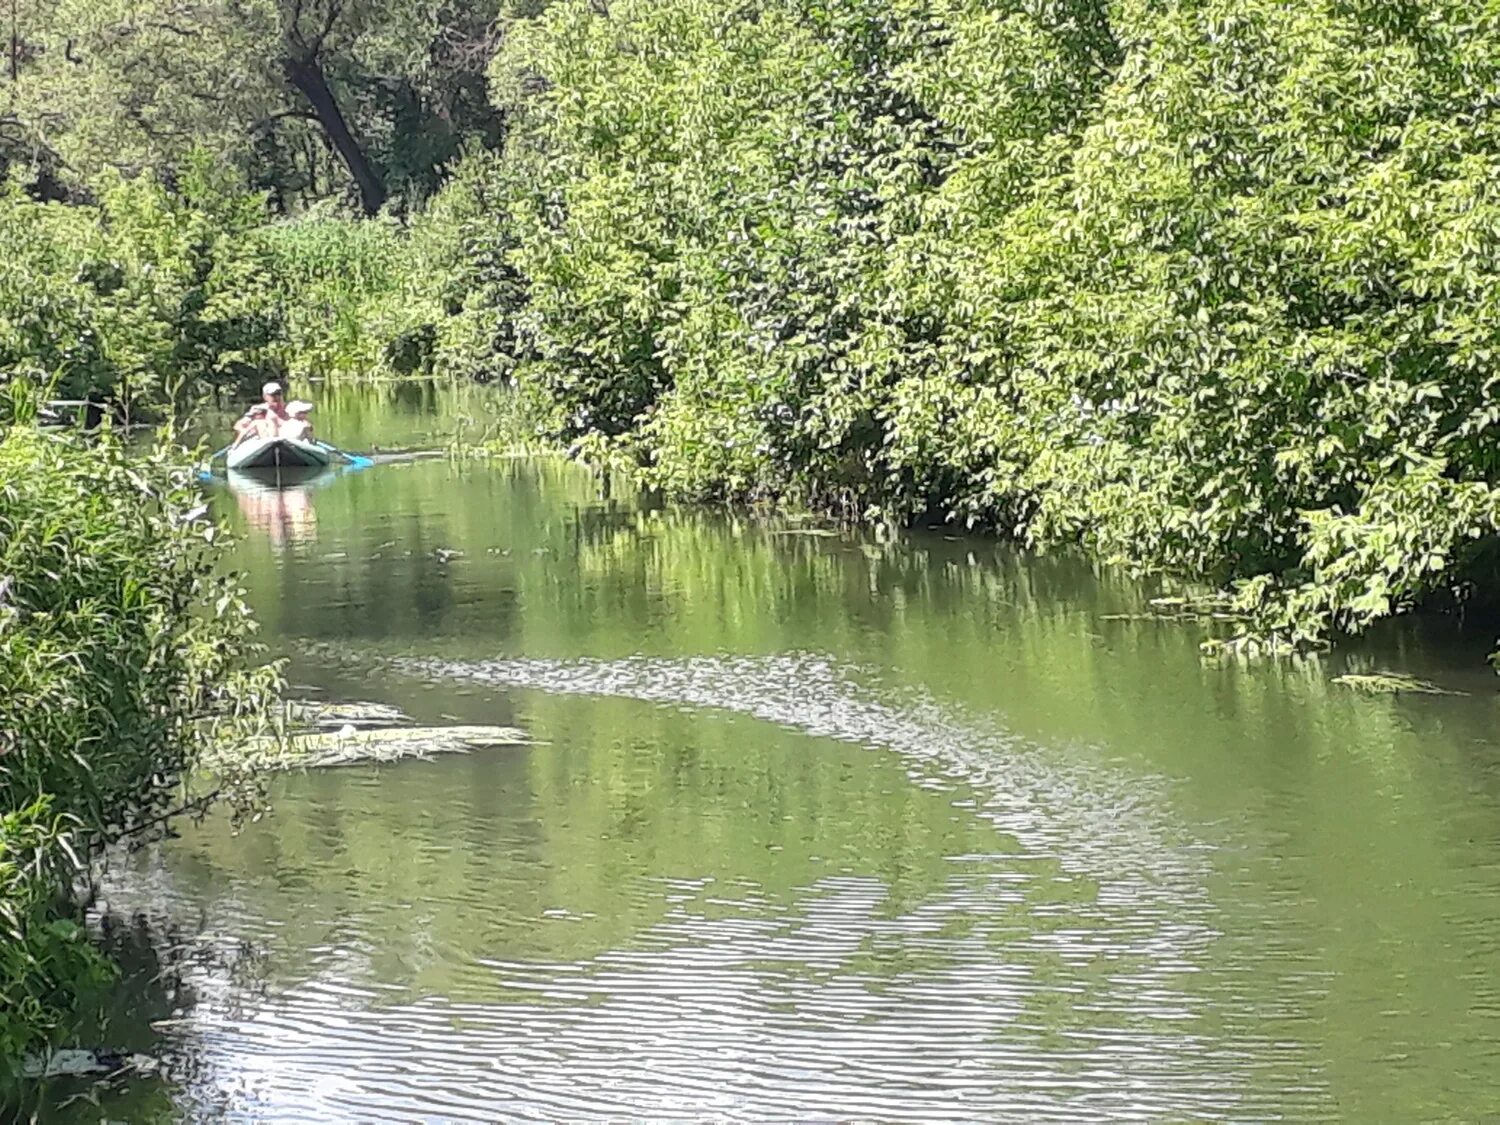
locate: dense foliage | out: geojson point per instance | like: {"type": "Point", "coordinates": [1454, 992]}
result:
{"type": "Point", "coordinates": [1208, 285]}
{"type": "Point", "coordinates": [122, 657]}
{"type": "Point", "coordinates": [147, 299]}
{"type": "Point", "coordinates": [152, 301]}
{"type": "Point", "coordinates": [308, 98]}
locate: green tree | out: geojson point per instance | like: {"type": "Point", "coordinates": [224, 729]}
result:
{"type": "Point", "coordinates": [304, 95]}
{"type": "Point", "coordinates": [1204, 285]}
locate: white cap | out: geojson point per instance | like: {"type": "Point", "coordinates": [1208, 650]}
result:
{"type": "Point", "coordinates": [272, 388]}
{"type": "Point", "coordinates": [298, 407]}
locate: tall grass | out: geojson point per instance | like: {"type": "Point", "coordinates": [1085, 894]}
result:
{"type": "Point", "coordinates": [351, 303]}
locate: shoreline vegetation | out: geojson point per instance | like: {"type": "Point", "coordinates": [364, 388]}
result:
{"type": "Point", "coordinates": [124, 658]}
{"type": "Point", "coordinates": [1206, 288]}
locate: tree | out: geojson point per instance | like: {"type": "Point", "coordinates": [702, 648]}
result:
{"type": "Point", "coordinates": [305, 26]}
{"type": "Point", "coordinates": [1205, 285]}
{"type": "Point", "coordinates": [283, 88]}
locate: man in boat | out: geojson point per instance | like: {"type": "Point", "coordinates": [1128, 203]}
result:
{"type": "Point", "coordinates": [265, 418]}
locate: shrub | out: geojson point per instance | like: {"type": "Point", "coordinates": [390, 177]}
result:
{"type": "Point", "coordinates": [123, 658]}
{"type": "Point", "coordinates": [1206, 285]}
{"type": "Point", "coordinates": [146, 299]}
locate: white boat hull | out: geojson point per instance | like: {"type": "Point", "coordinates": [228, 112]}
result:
{"type": "Point", "coordinates": [277, 453]}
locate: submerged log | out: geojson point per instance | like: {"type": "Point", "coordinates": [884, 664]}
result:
{"type": "Point", "coordinates": [319, 734]}
{"type": "Point", "coordinates": [352, 746]}
{"type": "Point", "coordinates": [333, 716]}
{"type": "Point", "coordinates": [1391, 683]}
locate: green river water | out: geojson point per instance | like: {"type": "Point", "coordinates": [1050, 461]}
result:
{"type": "Point", "coordinates": [820, 826]}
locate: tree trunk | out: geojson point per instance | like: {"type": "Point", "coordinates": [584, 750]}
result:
{"type": "Point", "coordinates": [306, 74]}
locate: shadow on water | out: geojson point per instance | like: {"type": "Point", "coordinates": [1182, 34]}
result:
{"type": "Point", "coordinates": [124, 1062]}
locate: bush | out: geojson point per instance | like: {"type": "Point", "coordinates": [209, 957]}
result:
{"type": "Point", "coordinates": [1207, 285]}
{"type": "Point", "coordinates": [147, 300]}
{"type": "Point", "coordinates": [123, 658]}
{"type": "Point", "coordinates": [342, 288]}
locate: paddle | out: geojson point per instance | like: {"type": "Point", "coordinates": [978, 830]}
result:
{"type": "Point", "coordinates": [355, 460]}
{"type": "Point", "coordinates": [205, 474]}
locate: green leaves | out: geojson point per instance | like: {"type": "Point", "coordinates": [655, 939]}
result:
{"type": "Point", "coordinates": [144, 84]}
{"type": "Point", "coordinates": [123, 659]}
{"type": "Point", "coordinates": [146, 299]}
{"type": "Point", "coordinates": [1207, 285]}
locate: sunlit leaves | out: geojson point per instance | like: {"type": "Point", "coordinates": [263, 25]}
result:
{"type": "Point", "coordinates": [122, 659]}
{"type": "Point", "coordinates": [1207, 285]}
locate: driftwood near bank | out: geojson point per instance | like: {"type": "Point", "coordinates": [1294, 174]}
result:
{"type": "Point", "coordinates": [322, 749]}
{"type": "Point", "coordinates": [1391, 683]}
{"type": "Point", "coordinates": [321, 735]}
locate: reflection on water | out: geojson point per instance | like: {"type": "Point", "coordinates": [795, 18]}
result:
{"type": "Point", "coordinates": [819, 827]}
{"type": "Point", "coordinates": [279, 506]}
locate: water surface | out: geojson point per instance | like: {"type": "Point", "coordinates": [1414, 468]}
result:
{"type": "Point", "coordinates": [819, 826]}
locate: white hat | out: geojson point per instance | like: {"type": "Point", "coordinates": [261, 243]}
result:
{"type": "Point", "coordinates": [298, 407]}
{"type": "Point", "coordinates": [272, 388]}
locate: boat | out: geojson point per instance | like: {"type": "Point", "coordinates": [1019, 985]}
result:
{"type": "Point", "coordinates": [278, 453]}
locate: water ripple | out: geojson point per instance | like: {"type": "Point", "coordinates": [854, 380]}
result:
{"type": "Point", "coordinates": [1060, 980]}
{"type": "Point", "coordinates": [1063, 995]}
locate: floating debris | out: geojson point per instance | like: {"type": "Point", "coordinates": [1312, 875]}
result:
{"type": "Point", "coordinates": [335, 734]}
{"type": "Point", "coordinates": [351, 746]}
{"type": "Point", "coordinates": [1391, 683]}
{"type": "Point", "coordinates": [333, 715]}
{"type": "Point", "coordinates": [76, 1062]}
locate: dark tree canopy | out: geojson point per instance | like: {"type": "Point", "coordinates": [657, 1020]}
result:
{"type": "Point", "coordinates": [310, 98]}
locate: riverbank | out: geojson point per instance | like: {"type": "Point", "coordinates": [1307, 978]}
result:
{"type": "Point", "coordinates": [123, 656]}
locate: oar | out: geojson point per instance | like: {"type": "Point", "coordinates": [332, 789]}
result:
{"type": "Point", "coordinates": [206, 475]}
{"type": "Point", "coordinates": [355, 460]}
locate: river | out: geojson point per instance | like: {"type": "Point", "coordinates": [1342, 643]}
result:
{"type": "Point", "coordinates": [818, 825]}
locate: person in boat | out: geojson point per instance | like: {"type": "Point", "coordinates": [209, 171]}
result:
{"type": "Point", "coordinates": [297, 426]}
{"type": "Point", "coordinates": [248, 425]}
{"type": "Point", "coordinates": [265, 418]}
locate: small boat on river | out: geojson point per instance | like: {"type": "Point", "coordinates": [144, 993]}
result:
{"type": "Point", "coordinates": [278, 453]}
